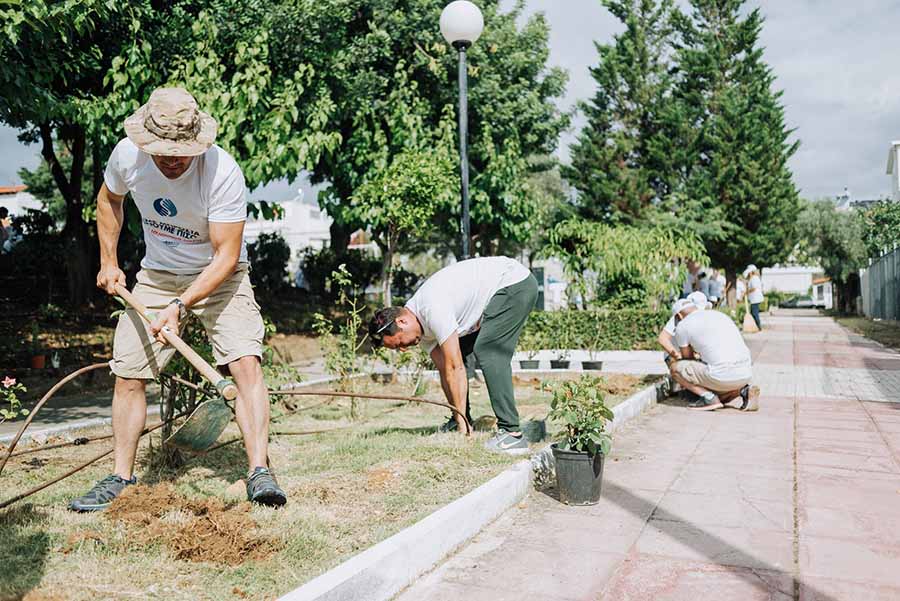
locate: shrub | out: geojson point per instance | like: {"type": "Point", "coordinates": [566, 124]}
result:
{"type": "Point", "coordinates": [269, 256]}
{"type": "Point", "coordinates": [579, 407]}
{"type": "Point", "coordinates": [623, 329]}
{"type": "Point", "coordinates": [319, 265]}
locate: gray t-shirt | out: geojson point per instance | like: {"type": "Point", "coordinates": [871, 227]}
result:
{"type": "Point", "coordinates": [713, 335]}
{"type": "Point", "coordinates": [454, 299]}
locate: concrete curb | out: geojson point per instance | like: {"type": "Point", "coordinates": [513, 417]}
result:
{"type": "Point", "coordinates": [382, 571]}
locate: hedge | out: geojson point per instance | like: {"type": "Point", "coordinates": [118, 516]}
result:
{"type": "Point", "coordinates": [620, 330]}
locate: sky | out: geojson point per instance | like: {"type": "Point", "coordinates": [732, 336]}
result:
{"type": "Point", "coordinates": [832, 58]}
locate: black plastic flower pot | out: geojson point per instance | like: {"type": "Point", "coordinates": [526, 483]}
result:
{"type": "Point", "coordinates": [592, 365]}
{"type": "Point", "coordinates": [559, 364]}
{"type": "Point", "coordinates": [529, 363]}
{"type": "Point", "coordinates": [578, 476]}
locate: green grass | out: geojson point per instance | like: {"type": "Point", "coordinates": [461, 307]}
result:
{"type": "Point", "coordinates": [885, 332]}
{"type": "Point", "coordinates": [348, 490]}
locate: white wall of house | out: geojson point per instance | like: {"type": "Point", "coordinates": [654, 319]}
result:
{"type": "Point", "coordinates": [303, 225]}
{"type": "Point", "coordinates": [823, 294]}
{"type": "Point", "coordinates": [893, 169]}
{"type": "Point", "coordinates": [19, 202]}
{"type": "Point", "coordinates": [790, 278]}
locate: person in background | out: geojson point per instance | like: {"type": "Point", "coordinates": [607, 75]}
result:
{"type": "Point", "coordinates": [716, 288]}
{"type": "Point", "coordinates": [5, 227]}
{"type": "Point", "coordinates": [754, 292]}
{"type": "Point", "coordinates": [703, 284]}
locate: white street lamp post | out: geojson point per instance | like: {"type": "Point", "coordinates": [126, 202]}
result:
{"type": "Point", "coordinates": [461, 25]}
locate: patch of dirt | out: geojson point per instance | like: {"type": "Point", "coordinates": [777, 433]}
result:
{"type": "Point", "coordinates": [619, 383]}
{"type": "Point", "coordinates": [76, 539]}
{"type": "Point", "coordinates": [296, 347]}
{"type": "Point", "coordinates": [204, 530]}
{"type": "Point", "coordinates": [378, 479]}
{"type": "Point", "coordinates": [39, 596]}
{"type": "Point", "coordinates": [485, 423]}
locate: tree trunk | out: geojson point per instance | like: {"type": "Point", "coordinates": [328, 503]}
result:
{"type": "Point", "coordinates": [340, 238]}
{"type": "Point", "coordinates": [387, 271]}
{"type": "Point", "coordinates": [75, 233]}
{"type": "Point", "coordinates": [731, 283]}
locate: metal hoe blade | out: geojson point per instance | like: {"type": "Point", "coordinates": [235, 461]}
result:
{"type": "Point", "coordinates": [202, 427]}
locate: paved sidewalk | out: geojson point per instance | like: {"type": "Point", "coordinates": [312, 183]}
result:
{"type": "Point", "coordinates": [798, 501]}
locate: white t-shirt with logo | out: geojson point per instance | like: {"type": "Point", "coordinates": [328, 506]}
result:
{"type": "Point", "coordinates": [176, 213]}
{"type": "Point", "coordinates": [713, 336]}
{"type": "Point", "coordinates": [756, 296]}
{"type": "Point", "coordinates": [454, 299]}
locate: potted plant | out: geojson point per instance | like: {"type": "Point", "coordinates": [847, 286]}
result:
{"type": "Point", "coordinates": [563, 345]}
{"type": "Point", "coordinates": [38, 358]}
{"type": "Point", "coordinates": [583, 442]}
{"type": "Point", "coordinates": [530, 341]}
{"type": "Point", "coordinates": [593, 363]}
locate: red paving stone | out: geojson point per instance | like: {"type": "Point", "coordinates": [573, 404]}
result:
{"type": "Point", "coordinates": [800, 501]}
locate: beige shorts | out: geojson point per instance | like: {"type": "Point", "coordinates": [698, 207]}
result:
{"type": "Point", "coordinates": [697, 373]}
{"type": "Point", "coordinates": [230, 316]}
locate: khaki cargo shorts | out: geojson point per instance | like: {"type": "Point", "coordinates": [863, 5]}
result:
{"type": "Point", "coordinates": [697, 373]}
{"type": "Point", "coordinates": [230, 316]}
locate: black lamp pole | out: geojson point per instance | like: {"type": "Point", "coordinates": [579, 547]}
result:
{"type": "Point", "coordinates": [463, 147]}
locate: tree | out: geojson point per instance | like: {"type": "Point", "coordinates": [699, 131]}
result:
{"type": "Point", "coordinates": [400, 199]}
{"type": "Point", "coordinates": [881, 227]}
{"type": "Point", "coordinates": [512, 115]}
{"type": "Point", "coordinates": [729, 128]}
{"type": "Point", "coordinates": [836, 240]}
{"type": "Point", "coordinates": [603, 261]}
{"type": "Point", "coordinates": [620, 166]}
{"type": "Point", "coordinates": [72, 70]}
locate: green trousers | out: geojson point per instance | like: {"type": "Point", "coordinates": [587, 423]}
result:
{"type": "Point", "coordinates": [492, 347]}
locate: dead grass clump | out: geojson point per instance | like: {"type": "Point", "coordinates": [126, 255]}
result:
{"type": "Point", "coordinates": [199, 530]}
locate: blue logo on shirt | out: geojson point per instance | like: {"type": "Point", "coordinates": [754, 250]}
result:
{"type": "Point", "coordinates": [165, 207]}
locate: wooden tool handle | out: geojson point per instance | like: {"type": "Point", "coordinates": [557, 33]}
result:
{"type": "Point", "coordinates": [224, 385]}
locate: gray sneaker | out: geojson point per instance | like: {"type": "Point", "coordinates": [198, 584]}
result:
{"type": "Point", "coordinates": [263, 489]}
{"type": "Point", "coordinates": [102, 494]}
{"type": "Point", "coordinates": [750, 398]}
{"type": "Point", "coordinates": [707, 402]}
{"type": "Point", "coordinates": [504, 442]}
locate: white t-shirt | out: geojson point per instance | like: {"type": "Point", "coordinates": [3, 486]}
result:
{"type": "Point", "coordinates": [713, 336]}
{"type": "Point", "coordinates": [756, 296]}
{"type": "Point", "coordinates": [176, 213]}
{"type": "Point", "coordinates": [454, 299]}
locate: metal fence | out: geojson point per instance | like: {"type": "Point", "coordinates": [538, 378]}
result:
{"type": "Point", "coordinates": [880, 284]}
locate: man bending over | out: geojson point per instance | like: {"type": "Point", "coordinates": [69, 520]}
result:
{"type": "Point", "coordinates": [471, 310]}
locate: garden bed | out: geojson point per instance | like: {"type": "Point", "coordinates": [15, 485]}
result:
{"type": "Point", "coordinates": [348, 489]}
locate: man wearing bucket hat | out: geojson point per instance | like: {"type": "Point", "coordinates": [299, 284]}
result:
{"type": "Point", "coordinates": [192, 200]}
{"type": "Point", "coordinates": [754, 292]}
{"type": "Point", "coordinates": [725, 372]}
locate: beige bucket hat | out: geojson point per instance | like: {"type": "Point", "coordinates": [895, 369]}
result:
{"type": "Point", "coordinates": [171, 124]}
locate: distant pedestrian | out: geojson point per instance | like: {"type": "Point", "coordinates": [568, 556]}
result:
{"type": "Point", "coordinates": [703, 283]}
{"type": "Point", "coordinates": [690, 283]}
{"type": "Point", "coordinates": [5, 228]}
{"type": "Point", "coordinates": [754, 292]}
{"type": "Point", "coordinates": [716, 287]}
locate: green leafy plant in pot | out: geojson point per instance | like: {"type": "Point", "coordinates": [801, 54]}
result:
{"type": "Point", "coordinates": [563, 341]}
{"type": "Point", "coordinates": [530, 341]}
{"type": "Point", "coordinates": [583, 442]}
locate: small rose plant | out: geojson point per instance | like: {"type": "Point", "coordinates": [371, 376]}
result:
{"type": "Point", "coordinates": [10, 405]}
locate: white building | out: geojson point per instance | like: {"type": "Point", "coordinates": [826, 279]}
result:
{"type": "Point", "coordinates": [823, 293]}
{"type": "Point", "coordinates": [893, 169]}
{"type": "Point", "coordinates": [17, 200]}
{"type": "Point", "coordinates": [795, 279]}
{"type": "Point", "coordinates": [303, 225]}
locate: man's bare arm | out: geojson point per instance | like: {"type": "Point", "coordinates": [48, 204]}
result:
{"type": "Point", "coordinates": [449, 361]}
{"type": "Point", "coordinates": [110, 217]}
{"type": "Point", "coordinates": [667, 341]}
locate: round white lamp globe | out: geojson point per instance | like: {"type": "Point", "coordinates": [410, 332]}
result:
{"type": "Point", "coordinates": [461, 22]}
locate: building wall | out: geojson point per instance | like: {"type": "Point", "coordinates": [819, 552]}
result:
{"type": "Point", "coordinates": [794, 279]}
{"type": "Point", "coordinates": [302, 226]}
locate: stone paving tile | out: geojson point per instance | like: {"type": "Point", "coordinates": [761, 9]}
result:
{"type": "Point", "coordinates": [850, 524]}
{"type": "Point", "coordinates": [643, 577]}
{"type": "Point", "coordinates": [851, 560]}
{"type": "Point", "coordinates": [827, 589]}
{"type": "Point", "coordinates": [728, 511]}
